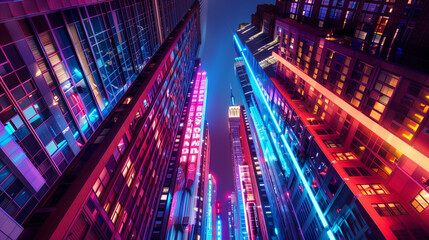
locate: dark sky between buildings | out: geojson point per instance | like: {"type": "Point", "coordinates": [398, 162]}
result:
{"type": "Point", "coordinates": [217, 56]}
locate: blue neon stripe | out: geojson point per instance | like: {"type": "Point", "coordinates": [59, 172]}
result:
{"type": "Point", "coordinates": [294, 160]}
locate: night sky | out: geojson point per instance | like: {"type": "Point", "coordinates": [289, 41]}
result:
{"type": "Point", "coordinates": [217, 56]}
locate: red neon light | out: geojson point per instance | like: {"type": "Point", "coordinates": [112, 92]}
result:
{"type": "Point", "coordinates": [78, 102]}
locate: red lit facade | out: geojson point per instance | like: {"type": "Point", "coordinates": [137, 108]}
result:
{"type": "Point", "coordinates": [368, 116]}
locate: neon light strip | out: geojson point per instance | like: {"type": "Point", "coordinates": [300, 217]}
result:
{"type": "Point", "coordinates": [405, 148]}
{"type": "Point", "coordinates": [209, 233]}
{"type": "Point", "coordinates": [289, 150]}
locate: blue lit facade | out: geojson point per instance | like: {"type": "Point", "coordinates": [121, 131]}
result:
{"type": "Point", "coordinates": [231, 216]}
{"type": "Point", "coordinates": [298, 202]}
{"type": "Point", "coordinates": [219, 227]}
{"type": "Point", "coordinates": [256, 165]}
{"type": "Point", "coordinates": [273, 165]}
{"type": "Point", "coordinates": [210, 219]}
{"type": "Point", "coordinates": [218, 222]}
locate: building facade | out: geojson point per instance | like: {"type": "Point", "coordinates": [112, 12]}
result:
{"type": "Point", "coordinates": [64, 66]}
{"type": "Point", "coordinates": [185, 214]}
{"type": "Point", "coordinates": [391, 30]}
{"type": "Point", "coordinates": [113, 187]}
{"type": "Point", "coordinates": [231, 216]}
{"type": "Point", "coordinates": [237, 160]}
{"type": "Point", "coordinates": [210, 219]}
{"type": "Point", "coordinates": [203, 187]}
{"type": "Point", "coordinates": [349, 125]}
{"type": "Point", "coordinates": [258, 216]}
{"type": "Point", "coordinates": [218, 221]}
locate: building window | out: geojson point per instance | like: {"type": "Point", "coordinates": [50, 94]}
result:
{"type": "Point", "coordinates": [421, 201]}
{"type": "Point", "coordinates": [372, 189]}
{"type": "Point", "coordinates": [381, 94]}
{"type": "Point", "coordinates": [115, 214]}
{"type": "Point", "coordinates": [355, 172]}
{"type": "Point", "coordinates": [333, 143]}
{"type": "Point", "coordinates": [389, 209]}
{"type": "Point", "coordinates": [344, 156]}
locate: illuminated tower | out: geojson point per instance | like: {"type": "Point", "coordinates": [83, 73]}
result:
{"type": "Point", "coordinates": [184, 212]}
{"type": "Point", "coordinates": [237, 156]}
{"type": "Point", "coordinates": [174, 172]}
{"type": "Point", "coordinates": [342, 130]}
{"type": "Point", "coordinates": [113, 186]}
{"type": "Point", "coordinates": [231, 216]}
{"type": "Point", "coordinates": [218, 221]}
{"type": "Point", "coordinates": [210, 219]}
{"type": "Point", "coordinates": [258, 216]}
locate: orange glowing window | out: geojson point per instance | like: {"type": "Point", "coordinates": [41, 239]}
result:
{"type": "Point", "coordinates": [126, 167]}
{"type": "Point", "coordinates": [116, 212]}
{"type": "Point", "coordinates": [421, 201]}
{"type": "Point", "coordinates": [344, 156]}
{"type": "Point", "coordinates": [375, 115]}
{"type": "Point", "coordinates": [372, 189]}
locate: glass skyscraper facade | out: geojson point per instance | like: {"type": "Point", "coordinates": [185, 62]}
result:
{"type": "Point", "coordinates": [339, 127]}
{"type": "Point", "coordinates": [75, 79]}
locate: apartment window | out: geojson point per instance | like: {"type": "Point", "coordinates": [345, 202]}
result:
{"type": "Point", "coordinates": [405, 124]}
{"type": "Point", "coordinates": [333, 143]}
{"type": "Point", "coordinates": [372, 189]}
{"type": "Point", "coordinates": [116, 212]}
{"type": "Point", "coordinates": [355, 172]}
{"type": "Point", "coordinates": [357, 86]}
{"type": "Point", "coordinates": [336, 70]}
{"type": "Point", "coordinates": [421, 201]}
{"type": "Point", "coordinates": [324, 131]}
{"type": "Point", "coordinates": [101, 182]}
{"type": "Point", "coordinates": [381, 94]}
{"type": "Point", "coordinates": [293, 8]}
{"type": "Point", "coordinates": [126, 167]}
{"type": "Point", "coordinates": [344, 156]}
{"type": "Point", "coordinates": [389, 209]}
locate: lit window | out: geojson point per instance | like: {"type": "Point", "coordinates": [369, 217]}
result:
{"type": "Point", "coordinates": [421, 201]}
{"type": "Point", "coordinates": [115, 214]}
{"type": "Point", "coordinates": [131, 178]}
{"type": "Point", "coordinates": [126, 167]}
{"type": "Point", "coordinates": [372, 189]}
{"type": "Point", "coordinates": [389, 209]}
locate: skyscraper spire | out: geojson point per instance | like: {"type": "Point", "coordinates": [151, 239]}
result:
{"type": "Point", "coordinates": [232, 95]}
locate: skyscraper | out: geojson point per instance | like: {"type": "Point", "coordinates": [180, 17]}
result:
{"type": "Point", "coordinates": [257, 209]}
{"type": "Point", "coordinates": [218, 221]}
{"type": "Point", "coordinates": [174, 172]}
{"type": "Point", "coordinates": [237, 157]}
{"type": "Point", "coordinates": [344, 126]}
{"type": "Point", "coordinates": [203, 187]}
{"type": "Point", "coordinates": [231, 216]}
{"type": "Point", "coordinates": [210, 220]}
{"type": "Point", "coordinates": [186, 203]}
{"type": "Point", "coordinates": [84, 115]}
